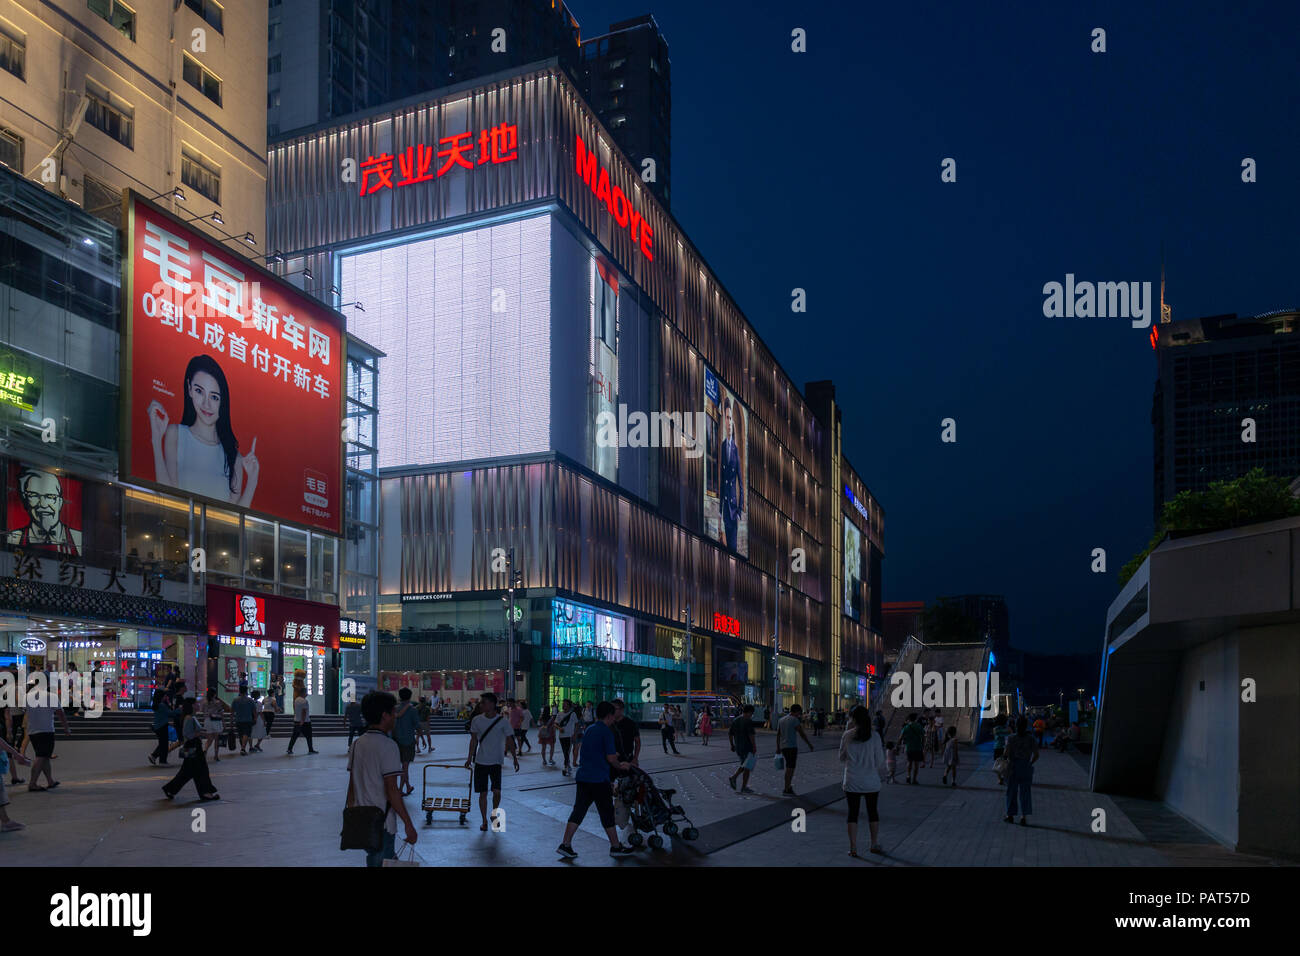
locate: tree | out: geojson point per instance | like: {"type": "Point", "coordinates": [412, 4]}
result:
{"type": "Point", "coordinates": [946, 623]}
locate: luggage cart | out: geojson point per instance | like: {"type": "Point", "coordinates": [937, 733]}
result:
{"type": "Point", "coordinates": [445, 801]}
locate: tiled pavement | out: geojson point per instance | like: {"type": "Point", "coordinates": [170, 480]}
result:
{"type": "Point", "coordinates": [280, 810]}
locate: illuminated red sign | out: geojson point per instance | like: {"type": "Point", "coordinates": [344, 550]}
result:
{"type": "Point", "coordinates": [871, 670]}
{"type": "Point", "coordinates": [620, 207]}
{"type": "Point", "coordinates": [499, 144]}
{"type": "Point", "coordinates": [726, 625]}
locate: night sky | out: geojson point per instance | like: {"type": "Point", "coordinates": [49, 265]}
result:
{"type": "Point", "coordinates": [821, 170]}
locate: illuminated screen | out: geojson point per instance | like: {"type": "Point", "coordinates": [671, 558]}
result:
{"type": "Point", "coordinates": [465, 322]}
{"type": "Point", "coordinates": [852, 570]}
{"type": "Point", "coordinates": [726, 490]}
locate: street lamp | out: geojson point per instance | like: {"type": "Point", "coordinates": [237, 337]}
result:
{"type": "Point", "coordinates": [776, 654]}
{"type": "Point", "coordinates": [689, 725]}
{"type": "Point", "coordinates": [513, 579]}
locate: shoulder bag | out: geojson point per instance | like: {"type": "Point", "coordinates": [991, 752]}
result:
{"type": "Point", "coordinates": [363, 826]}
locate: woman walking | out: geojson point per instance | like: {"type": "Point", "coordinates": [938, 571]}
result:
{"type": "Point", "coordinates": [162, 719]}
{"type": "Point", "coordinates": [546, 735]}
{"type": "Point", "coordinates": [214, 709]}
{"type": "Point", "coordinates": [269, 709]}
{"type": "Point", "coordinates": [863, 758]}
{"type": "Point", "coordinates": [950, 756]}
{"type": "Point", "coordinates": [259, 724]}
{"type": "Point", "coordinates": [1021, 753]}
{"type": "Point", "coordinates": [929, 748]}
{"type": "Point", "coordinates": [1000, 734]}
{"type": "Point", "coordinates": [667, 732]}
{"type": "Point", "coordinates": [193, 765]}
{"type": "Point", "coordinates": [706, 725]}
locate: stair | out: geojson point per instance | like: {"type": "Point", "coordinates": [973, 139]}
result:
{"type": "Point", "coordinates": [138, 725]}
{"type": "Point", "coordinates": [942, 658]}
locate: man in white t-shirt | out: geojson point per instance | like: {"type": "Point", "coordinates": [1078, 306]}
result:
{"type": "Point", "coordinates": [301, 724]}
{"type": "Point", "coordinates": [375, 766]}
{"type": "Point", "coordinates": [567, 722]}
{"type": "Point", "coordinates": [490, 738]}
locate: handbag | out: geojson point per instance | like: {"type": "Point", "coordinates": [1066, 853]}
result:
{"type": "Point", "coordinates": [230, 740]}
{"type": "Point", "coordinates": [398, 860]}
{"type": "Point", "coordinates": [171, 733]}
{"type": "Point", "coordinates": [750, 761]}
{"type": "Point", "coordinates": [778, 762]}
{"type": "Point", "coordinates": [363, 827]}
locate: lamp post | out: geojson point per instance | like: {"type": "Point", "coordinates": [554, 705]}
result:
{"type": "Point", "coordinates": [513, 579]}
{"type": "Point", "coordinates": [776, 655]}
{"type": "Point", "coordinates": [689, 659]}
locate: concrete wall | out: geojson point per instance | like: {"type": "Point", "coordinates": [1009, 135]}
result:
{"type": "Point", "coordinates": [1270, 741]}
{"type": "Point", "coordinates": [1197, 773]}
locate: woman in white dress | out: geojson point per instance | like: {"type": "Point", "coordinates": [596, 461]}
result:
{"type": "Point", "coordinates": [214, 710]}
{"type": "Point", "coordinates": [201, 454]}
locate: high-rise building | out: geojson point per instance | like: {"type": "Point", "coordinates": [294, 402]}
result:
{"type": "Point", "coordinates": [626, 77]}
{"type": "Point", "coordinates": [902, 619]}
{"type": "Point", "coordinates": [990, 612]}
{"type": "Point", "coordinates": [1214, 374]}
{"type": "Point", "coordinates": [101, 95]}
{"type": "Point", "coordinates": [330, 58]}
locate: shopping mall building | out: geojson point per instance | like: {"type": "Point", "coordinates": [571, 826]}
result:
{"type": "Point", "coordinates": [566, 382]}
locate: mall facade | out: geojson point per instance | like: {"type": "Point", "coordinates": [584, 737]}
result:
{"type": "Point", "coordinates": [567, 385]}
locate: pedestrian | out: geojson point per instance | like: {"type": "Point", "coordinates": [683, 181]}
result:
{"type": "Point", "coordinates": [162, 718]}
{"type": "Point", "coordinates": [301, 721]}
{"type": "Point", "coordinates": [679, 723]}
{"type": "Point", "coordinates": [599, 764]}
{"type": "Point", "coordinates": [879, 724]}
{"type": "Point", "coordinates": [194, 766]}
{"type": "Point", "coordinates": [259, 725]}
{"type": "Point", "coordinates": [891, 760]}
{"type": "Point", "coordinates": [819, 722]}
{"type": "Point", "coordinates": [270, 708]}
{"type": "Point", "coordinates": [1022, 754]}
{"type": "Point", "coordinates": [745, 743]}
{"type": "Point", "coordinates": [627, 735]}
{"type": "Point", "coordinates": [589, 714]}
{"type": "Point", "coordinates": [515, 714]}
{"type": "Point", "coordinates": [567, 726]}
{"type": "Point", "coordinates": [863, 757]}
{"type": "Point", "coordinates": [40, 729]}
{"type": "Point", "coordinates": [928, 747]}
{"type": "Point", "coordinates": [706, 725]}
{"type": "Point", "coordinates": [10, 757]}
{"type": "Point", "coordinates": [950, 753]}
{"type": "Point", "coordinates": [912, 740]}
{"type": "Point", "coordinates": [490, 739]}
{"type": "Point", "coordinates": [179, 692]}
{"type": "Point", "coordinates": [526, 721]}
{"type": "Point", "coordinates": [1040, 727]}
{"type": "Point", "coordinates": [788, 731]}
{"type": "Point", "coordinates": [352, 715]}
{"type": "Point", "coordinates": [245, 712]}
{"type": "Point", "coordinates": [582, 724]}
{"type": "Point", "coordinates": [667, 733]}
{"type": "Point", "coordinates": [214, 711]}
{"type": "Point", "coordinates": [374, 769]}
{"type": "Point", "coordinates": [546, 735]}
{"type": "Point", "coordinates": [406, 723]}
{"type": "Point", "coordinates": [1000, 734]}
{"type": "Point", "coordinates": [14, 734]}
{"type": "Point", "coordinates": [277, 691]}
{"type": "Point", "coordinates": [424, 737]}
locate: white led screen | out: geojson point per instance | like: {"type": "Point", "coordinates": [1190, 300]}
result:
{"type": "Point", "coordinates": [465, 322]}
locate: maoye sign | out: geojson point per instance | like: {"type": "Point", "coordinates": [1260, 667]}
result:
{"type": "Point", "coordinates": [258, 617]}
{"type": "Point", "coordinates": [498, 144]}
{"type": "Point", "coordinates": [233, 378]}
{"type": "Point", "coordinates": [620, 207]}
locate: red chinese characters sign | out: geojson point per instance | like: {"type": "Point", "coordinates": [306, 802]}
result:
{"type": "Point", "coordinates": [726, 625]}
{"type": "Point", "coordinates": [498, 144]}
{"type": "Point", "coordinates": [235, 378]}
{"type": "Point", "coordinates": [266, 618]}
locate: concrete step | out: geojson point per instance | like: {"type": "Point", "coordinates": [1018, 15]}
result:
{"type": "Point", "coordinates": [128, 725]}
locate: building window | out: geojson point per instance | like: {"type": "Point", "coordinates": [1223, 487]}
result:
{"type": "Point", "coordinates": [204, 177]}
{"type": "Point", "coordinates": [202, 79]}
{"type": "Point", "coordinates": [108, 114]}
{"type": "Point", "coordinates": [273, 100]}
{"type": "Point", "coordinates": [119, 16]}
{"type": "Point", "coordinates": [13, 52]}
{"type": "Point", "coordinates": [11, 150]}
{"type": "Point", "coordinates": [273, 65]}
{"type": "Point", "coordinates": [102, 201]}
{"type": "Point", "coordinates": [209, 11]}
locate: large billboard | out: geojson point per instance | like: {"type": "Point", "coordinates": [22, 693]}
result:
{"type": "Point", "coordinates": [232, 379]}
{"type": "Point", "coordinates": [726, 490]}
{"type": "Point", "coordinates": [852, 570]}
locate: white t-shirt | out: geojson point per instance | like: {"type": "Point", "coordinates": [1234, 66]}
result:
{"type": "Point", "coordinates": [301, 711]}
{"type": "Point", "coordinates": [863, 761]}
{"type": "Point", "coordinates": [492, 748]}
{"type": "Point", "coordinates": [567, 723]}
{"type": "Point", "coordinates": [374, 757]}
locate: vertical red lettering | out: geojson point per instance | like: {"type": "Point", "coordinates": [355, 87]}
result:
{"type": "Point", "coordinates": [634, 222]}
{"type": "Point", "coordinates": [621, 206]}
{"type": "Point", "coordinates": [647, 237]}
{"type": "Point", "coordinates": [602, 191]}
{"type": "Point", "coordinates": [586, 163]}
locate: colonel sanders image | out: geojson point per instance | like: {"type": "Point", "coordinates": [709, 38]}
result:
{"type": "Point", "coordinates": [41, 494]}
{"type": "Point", "coordinates": [248, 612]}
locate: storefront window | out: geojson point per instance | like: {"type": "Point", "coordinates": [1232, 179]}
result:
{"type": "Point", "coordinates": [259, 549]}
{"type": "Point", "coordinates": [157, 535]}
{"type": "Point", "coordinates": [293, 562]}
{"type": "Point", "coordinates": [221, 538]}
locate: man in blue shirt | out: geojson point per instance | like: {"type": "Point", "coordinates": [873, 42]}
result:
{"type": "Point", "coordinates": [599, 754]}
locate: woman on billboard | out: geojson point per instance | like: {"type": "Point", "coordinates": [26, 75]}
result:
{"type": "Point", "coordinates": [733, 478]}
{"type": "Point", "coordinates": [201, 454]}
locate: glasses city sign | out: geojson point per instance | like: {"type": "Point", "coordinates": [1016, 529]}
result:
{"type": "Point", "coordinates": [616, 201]}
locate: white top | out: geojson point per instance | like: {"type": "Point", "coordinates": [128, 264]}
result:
{"type": "Point", "coordinates": [301, 711]}
{"type": "Point", "coordinates": [863, 760]}
{"type": "Point", "coordinates": [567, 723]}
{"type": "Point", "coordinates": [200, 467]}
{"type": "Point", "coordinates": [374, 757]}
{"type": "Point", "coordinates": [492, 750]}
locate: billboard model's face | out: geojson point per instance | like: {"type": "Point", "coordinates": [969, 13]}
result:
{"type": "Point", "coordinates": [43, 499]}
{"type": "Point", "coordinates": [205, 393]}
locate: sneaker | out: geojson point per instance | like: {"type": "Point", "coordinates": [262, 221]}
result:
{"type": "Point", "coordinates": [732, 781]}
{"type": "Point", "coordinates": [153, 761]}
{"type": "Point", "coordinates": [566, 771]}
{"type": "Point", "coordinates": [788, 793]}
{"type": "Point", "coordinates": [1024, 821]}
{"type": "Point", "coordinates": [1008, 820]}
{"type": "Point", "coordinates": [313, 751]}
{"type": "Point", "coordinates": [746, 790]}
{"type": "Point", "coordinates": [168, 794]}
{"type": "Point", "coordinates": [566, 851]}
{"type": "Point", "coordinates": [621, 850]}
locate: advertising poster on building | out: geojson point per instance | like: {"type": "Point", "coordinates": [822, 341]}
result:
{"type": "Point", "coordinates": [229, 375]}
{"type": "Point", "coordinates": [852, 570]}
{"type": "Point", "coordinates": [235, 613]}
{"type": "Point", "coordinates": [726, 489]}
{"type": "Point", "coordinates": [43, 512]}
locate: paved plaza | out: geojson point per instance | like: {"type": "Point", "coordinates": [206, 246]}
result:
{"type": "Point", "coordinates": [279, 810]}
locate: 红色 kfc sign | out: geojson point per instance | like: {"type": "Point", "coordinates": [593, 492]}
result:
{"type": "Point", "coordinates": [266, 617]}
{"type": "Point", "coordinates": [616, 201]}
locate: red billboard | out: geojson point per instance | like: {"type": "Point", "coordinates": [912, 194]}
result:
{"type": "Point", "coordinates": [265, 617]}
{"type": "Point", "coordinates": [232, 379]}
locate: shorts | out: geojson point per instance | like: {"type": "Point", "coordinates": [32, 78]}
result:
{"type": "Point", "coordinates": [4, 797]}
{"type": "Point", "coordinates": [43, 745]}
{"type": "Point", "coordinates": [406, 752]}
{"type": "Point", "coordinates": [998, 752]}
{"type": "Point", "coordinates": [601, 794]}
{"type": "Point", "coordinates": [244, 728]}
{"type": "Point", "coordinates": [915, 756]}
{"type": "Point", "coordinates": [791, 755]}
{"type": "Point", "coordinates": [485, 773]}
{"type": "Point", "coordinates": [855, 801]}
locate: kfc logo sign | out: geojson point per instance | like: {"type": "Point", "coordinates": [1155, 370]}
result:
{"type": "Point", "coordinates": [620, 207]}
{"type": "Point", "coordinates": [499, 144]}
{"type": "Point", "coordinates": [250, 615]}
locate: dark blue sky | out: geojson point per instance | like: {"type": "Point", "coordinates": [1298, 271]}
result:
{"type": "Point", "coordinates": [821, 170]}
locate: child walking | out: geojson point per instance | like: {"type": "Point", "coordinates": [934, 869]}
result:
{"type": "Point", "coordinates": [891, 760]}
{"type": "Point", "coordinates": [950, 756]}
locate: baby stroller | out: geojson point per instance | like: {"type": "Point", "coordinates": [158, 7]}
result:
{"type": "Point", "coordinates": [650, 809]}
